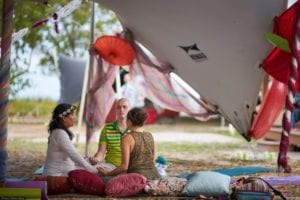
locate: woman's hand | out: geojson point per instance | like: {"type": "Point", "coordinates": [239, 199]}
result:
{"type": "Point", "coordinates": [94, 160]}
{"type": "Point", "coordinates": [103, 171]}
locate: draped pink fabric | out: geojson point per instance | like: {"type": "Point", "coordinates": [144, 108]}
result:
{"type": "Point", "coordinates": [151, 78]}
{"type": "Point", "coordinates": [272, 105]}
{"type": "Point", "coordinates": [160, 87]}
{"type": "Point", "coordinates": [165, 92]}
{"type": "Point", "coordinates": [100, 96]}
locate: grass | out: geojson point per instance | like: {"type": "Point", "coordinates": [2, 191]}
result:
{"type": "Point", "coordinates": [35, 108]}
{"type": "Point", "coordinates": [192, 148]}
{"type": "Point", "coordinates": [19, 146]}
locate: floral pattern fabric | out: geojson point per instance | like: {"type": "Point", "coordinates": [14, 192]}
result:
{"type": "Point", "coordinates": [167, 186]}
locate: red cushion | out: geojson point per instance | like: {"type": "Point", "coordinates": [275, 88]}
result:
{"type": "Point", "coordinates": [85, 182]}
{"type": "Point", "coordinates": [168, 113]}
{"type": "Point", "coordinates": [56, 184]}
{"type": "Point", "coordinates": [126, 185]}
{"type": "Point", "coordinates": [152, 115]}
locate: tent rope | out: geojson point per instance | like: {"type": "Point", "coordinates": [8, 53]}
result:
{"type": "Point", "coordinates": [282, 161]}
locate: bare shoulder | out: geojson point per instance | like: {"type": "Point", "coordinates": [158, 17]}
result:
{"type": "Point", "coordinates": [127, 137]}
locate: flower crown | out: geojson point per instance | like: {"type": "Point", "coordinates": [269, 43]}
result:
{"type": "Point", "coordinates": [67, 112]}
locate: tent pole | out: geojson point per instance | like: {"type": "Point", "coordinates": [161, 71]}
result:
{"type": "Point", "coordinates": [118, 84]}
{"type": "Point", "coordinates": [82, 100]}
{"type": "Point", "coordinates": [7, 18]}
{"type": "Point", "coordinates": [91, 65]}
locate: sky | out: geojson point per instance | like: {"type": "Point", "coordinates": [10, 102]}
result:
{"type": "Point", "coordinates": [43, 86]}
{"type": "Point", "coordinates": [46, 86]}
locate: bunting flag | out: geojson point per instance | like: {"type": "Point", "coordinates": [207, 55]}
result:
{"type": "Point", "coordinates": [60, 13]}
{"type": "Point", "coordinates": [18, 35]}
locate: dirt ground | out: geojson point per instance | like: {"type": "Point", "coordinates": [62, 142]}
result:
{"type": "Point", "coordinates": [180, 131]}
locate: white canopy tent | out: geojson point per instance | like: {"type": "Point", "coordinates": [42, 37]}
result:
{"type": "Point", "coordinates": [215, 46]}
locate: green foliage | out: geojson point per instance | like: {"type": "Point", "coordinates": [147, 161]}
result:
{"type": "Point", "coordinates": [72, 40]}
{"type": "Point", "coordinates": [21, 145]}
{"type": "Point", "coordinates": [73, 37]}
{"type": "Point", "coordinates": [192, 148]}
{"type": "Point", "coordinates": [23, 107]}
{"type": "Point", "coordinates": [17, 81]}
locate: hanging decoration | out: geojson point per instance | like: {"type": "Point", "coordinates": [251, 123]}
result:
{"type": "Point", "coordinates": [115, 50]}
{"type": "Point", "coordinates": [278, 61]}
{"type": "Point", "coordinates": [60, 13]}
{"type": "Point", "coordinates": [283, 66]}
{"type": "Point", "coordinates": [18, 35]}
{"type": "Point", "coordinates": [270, 108]}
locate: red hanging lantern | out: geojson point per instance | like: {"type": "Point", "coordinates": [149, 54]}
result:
{"type": "Point", "coordinates": [115, 50]}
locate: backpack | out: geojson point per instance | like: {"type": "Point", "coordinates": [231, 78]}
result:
{"type": "Point", "coordinates": [254, 188]}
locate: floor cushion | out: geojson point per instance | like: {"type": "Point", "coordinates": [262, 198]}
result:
{"type": "Point", "coordinates": [166, 186]}
{"type": "Point", "coordinates": [126, 185]}
{"type": "Point", "coordinates": [85, 182]}
{"type": "Point", "coordinates": [207, 183]}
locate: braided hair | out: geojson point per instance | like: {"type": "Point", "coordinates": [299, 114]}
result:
{"type": "Point", "coordinates": [60, 111]}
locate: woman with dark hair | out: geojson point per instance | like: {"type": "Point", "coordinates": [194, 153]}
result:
{"type": "Point", "coordinates": [62, 156]}
{"type": "Point", "coordinates": [137, 148]}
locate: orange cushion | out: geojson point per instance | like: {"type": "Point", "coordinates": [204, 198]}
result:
{"type": "Point", "coordinates": [56, 184]}
{"type": "Point", "coordinates": [126, 185]}
{"type": "Point", "coordinates": [85, 182]}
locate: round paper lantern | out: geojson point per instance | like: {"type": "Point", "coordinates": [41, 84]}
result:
{"type": "Point", "coordinates": [115, 50]}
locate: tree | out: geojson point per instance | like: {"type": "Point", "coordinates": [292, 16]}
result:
{"type": "Point", "coordinates": [72, 39]}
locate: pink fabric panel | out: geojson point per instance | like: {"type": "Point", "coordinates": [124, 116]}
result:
{"type": "Point", "coordinates": [151, 75]}
{"type": "Point", "coordinates": [100, 96]}
{"type": "Point", "coordinates": [165, 92]}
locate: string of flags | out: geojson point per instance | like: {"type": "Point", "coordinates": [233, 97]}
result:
{"type": "Point", "coordinates": [58, 14]}
{"type": "Point", "coordinates": [18, 35]}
